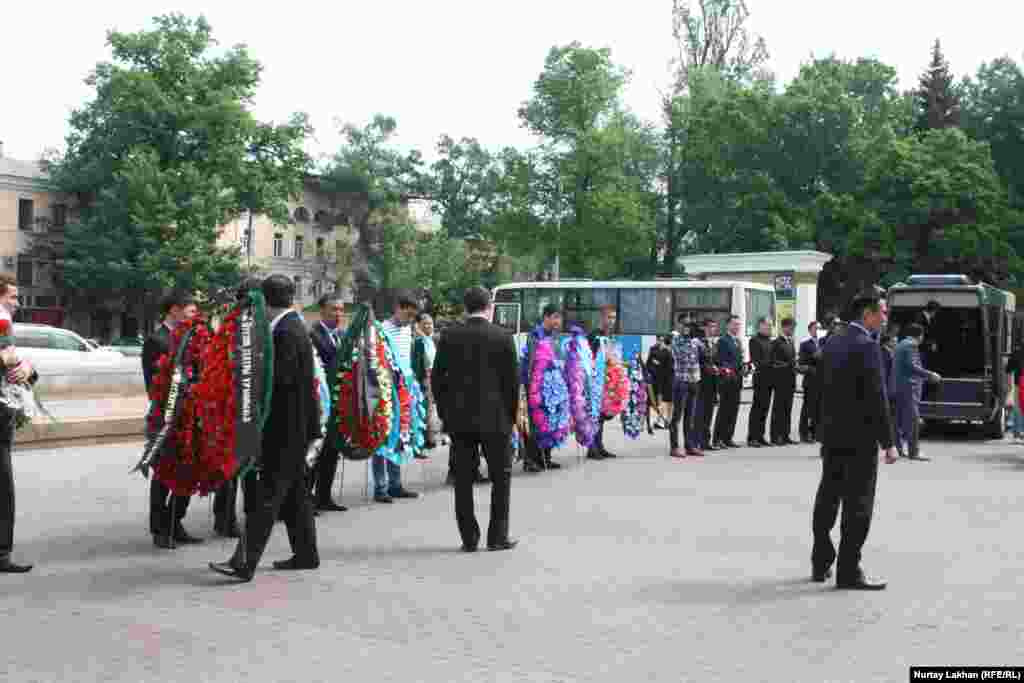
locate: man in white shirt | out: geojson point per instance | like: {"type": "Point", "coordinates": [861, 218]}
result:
{"type": "Point", "coordinates": [387, 476]}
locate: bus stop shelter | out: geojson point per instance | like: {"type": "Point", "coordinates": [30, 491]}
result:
{"type": "Point", "coordinates": [793, 274]}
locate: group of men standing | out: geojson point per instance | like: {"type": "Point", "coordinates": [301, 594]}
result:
{"type": "Point", "coordinates": [775, 363]}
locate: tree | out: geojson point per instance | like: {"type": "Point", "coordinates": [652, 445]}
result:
{"type": "Point", "coordinates": [461, 185]}
{"type": "Point", "coordinates": [993, 111]}
{"type": "Point", "coordinates": [166, 153]}
{"type": "Point", "coordinates": [941, 206]}
{"type": "Point", "coordinates": [714, 47]}
{"type": "Point", "coordinates": [593, 211]}
{"type": "Point", "coordinates": [368, 167]}
{"type": "Point", "coordinates": [938, 104]}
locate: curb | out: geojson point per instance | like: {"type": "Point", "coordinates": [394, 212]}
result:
{"type": "Point", "coordinates": [88, 431]}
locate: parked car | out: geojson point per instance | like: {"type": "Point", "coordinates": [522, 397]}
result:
{"type": "Point", "coordinates": [47, 347]}
{"type": "Point", "coordinates": [127, 346]}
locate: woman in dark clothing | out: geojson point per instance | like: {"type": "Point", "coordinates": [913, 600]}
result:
{"type": "Point", "coordinates": [660, 369]}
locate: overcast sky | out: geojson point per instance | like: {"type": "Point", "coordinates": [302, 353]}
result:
{"type": "Point", "coordinates": [460, 67]}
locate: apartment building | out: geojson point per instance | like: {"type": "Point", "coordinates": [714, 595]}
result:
{"type": "Point", "coordinates": [314, 248]}
{"type": "Point", "coordinates": [29, 211]}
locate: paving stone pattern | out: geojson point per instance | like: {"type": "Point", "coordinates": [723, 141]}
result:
{"type": "Point", "coordinates": [635, 569]}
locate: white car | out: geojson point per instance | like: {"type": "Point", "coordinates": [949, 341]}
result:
{"type": "Point", "coordinates": [48, 347]}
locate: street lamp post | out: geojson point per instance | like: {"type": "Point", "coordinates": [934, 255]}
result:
{"type": "Point", "coordinates": [248, 243]}
{"type": "Point", "coordinates": [558, 232]}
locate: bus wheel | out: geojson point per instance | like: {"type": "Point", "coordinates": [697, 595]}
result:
{"type": "Point", "coordinates": [996, 429]}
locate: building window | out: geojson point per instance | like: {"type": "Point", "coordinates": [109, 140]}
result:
{"type": "Point", "coordinates": [299, 243]}
{"type": "Point", "coordinates": [26, 214]}
{"type": "Point", "coordinates": [319, 247]}
{"type": "Point", "coordinates": [244, 240]}
{"type": "Point", "coordinates": [298, 288]}
{"type": "Point", "coordinates": [278, 244]}
{"type": "Point", "coordinates": [26, 271]}
{"type": "Point", "coordinates": [318, 288]}
{"type": "Point", "coordinates": [301, 215]}
{"type": "Point", "coordinates": [60, 215]}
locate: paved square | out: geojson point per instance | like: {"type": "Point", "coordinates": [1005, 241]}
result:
{"type": "Point", "coordinates": [640, 568]}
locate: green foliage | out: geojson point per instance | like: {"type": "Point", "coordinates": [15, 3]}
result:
{"type": "Point", "coordinates": [165, 153]}
{"type": "Point", "coordinates": [937, 101]}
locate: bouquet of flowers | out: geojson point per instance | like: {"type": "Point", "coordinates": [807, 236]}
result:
{"type": "Point", "coordinates": [635, 410]}
{"type": "Point", "coordinates": [548, 397]}
{"type": "Point", "coordinates": [616, 386]}
{"type": "Point", "coordinates": [579, 372]}
{"type": "Point", "coordinates": [17, 399]}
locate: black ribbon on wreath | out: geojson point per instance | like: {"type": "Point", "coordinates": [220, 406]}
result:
{"type": "Point", "coordinates": [153, 450]}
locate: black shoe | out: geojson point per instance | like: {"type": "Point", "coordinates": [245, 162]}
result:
{"type": "Point", "coordinates": [404, 493]}
{"type": "Point", "coordinates": [789, 442]}
{"type": "Point", "coordinates": [507, 544]}
{"type": "Point", "coordinates": [608, 454]}
{"type": "Point", "coordinates": [755, 443]}
{"type": "Point", "coordinates": [294, 564]}
{"type": "Point", "coordinates": [162, 541]}
{"type": "Point", "coordinates": [821, 575]}
{"type": "Point", "coordinates": [860, 583]}
{"type": "Point", "coordinates": [228, 569]}
{"type": "Point", "coordinates": [594, 454]}
{"type": "Point", "coordinates": [553, 466]}
{"type": "Point", "coordinates": [421, 456]}
{"type": "Point", "coordinates": [227, 530]}
{"type": "Point", "coordinates": [532, 467]}
{"type": "Point", "coordinates": [331, 506]}
{"type": "Point", "coordinates": [919, 458]}
{"type": "Point", "coordinates": [8, 567]}
{"type": "Point", "coordinates": [184, 537]}
{"type": "Point", "coordinates": [730, 444]}
{"type": "Point", "coordinates": [383, 499]}
{"type": "Point", "coordinates": [470, 547]}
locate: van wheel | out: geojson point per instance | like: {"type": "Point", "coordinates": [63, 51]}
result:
{"type": "Point", "coordinates": [996, 429]}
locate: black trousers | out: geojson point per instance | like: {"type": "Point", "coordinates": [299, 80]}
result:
{"type": "Point", "coordinates": [165, 510]}
{"type": "Point", "coordinates": [268, 498]}
{"type": "Point", "coordinates": [225, 513]}
{"type": "Point", "coordinates": [728, 408]}
{"type": "Point", "coordinates": [498, 453]}
{"type": "Point", "coordinates": [708, 399]}
{"type": "Point", "coordinates": [534, 454]}
{"type": "Point", "coordinates": [763, 388]}
{"type": "Point", "coordinates": [322, 476]}
{"type": "Point", "coordinates": [848, 478]}
{"type": "Point", "coordinates": [809, 409]}
{"type": "Point", "coordinates": [6, 488]}
{"type": "Point", "coordinates": [782, 408]}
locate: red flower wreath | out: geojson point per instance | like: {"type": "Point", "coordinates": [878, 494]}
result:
{"type": "Point", "coordinates": [181, 468]}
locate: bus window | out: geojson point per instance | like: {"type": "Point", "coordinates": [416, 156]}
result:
{"type": "Point", "coordinates": [638, 312]}
{"type": "Point", "coordinates": [665, 323]}
{"type": "Point", "coordinates": [508, 296]}
{"type": "Point", "coordinates": [760, 304]}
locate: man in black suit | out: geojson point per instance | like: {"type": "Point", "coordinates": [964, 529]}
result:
{"type": "Point", "coordinates": [809, 356]}
{"type": "Point", "coordinates": [278, 489]}
{"type": "Point", "coordinates": [760, 361]}
{"type": "Point", "coordinates": [166, 511]}
{"type": "Point", "coordinates": [476, 385]}
{"type": "Point", "coordinates": [729, 360]}
{"type": "Point", "coordinates": [855, 422]}
{"type": "Point", "coordinates": [783, 362]}
{"type": "Point", "coordinates": [325, 337]}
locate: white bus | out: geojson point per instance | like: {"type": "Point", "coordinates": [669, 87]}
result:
{"type": "Point", "coordinates": [646, 310]}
